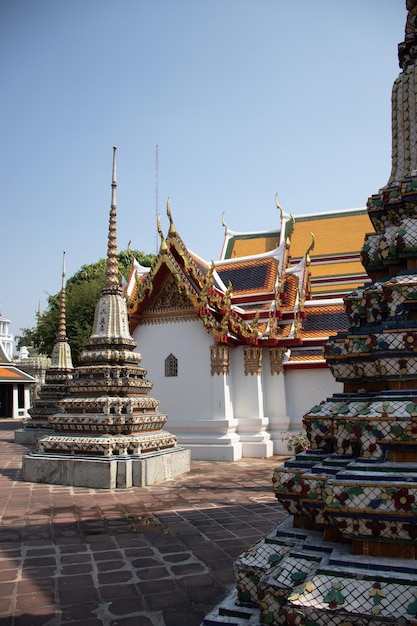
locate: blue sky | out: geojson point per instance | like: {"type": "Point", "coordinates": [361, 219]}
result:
{"type": "Point", "coordinates": [244, 99]}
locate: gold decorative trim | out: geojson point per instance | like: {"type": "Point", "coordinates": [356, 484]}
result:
{"type": "Point", "coordinates": [158, 317]}
{"type": "Point", "coordinates": [276, 359]}
{"type": "Point", "coordinates": [253, 360]}
{"type": "Point", "coordinates": [219, 359]}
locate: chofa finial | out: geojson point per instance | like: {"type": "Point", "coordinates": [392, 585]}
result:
{"type": "Point", "coordinates": [277, 204]}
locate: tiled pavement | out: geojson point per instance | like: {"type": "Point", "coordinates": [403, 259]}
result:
{"type": "Point", "coordinates": [160, 555]}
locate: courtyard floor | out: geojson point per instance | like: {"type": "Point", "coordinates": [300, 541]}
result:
{"type": "Point", "coordinates": [151, 556]}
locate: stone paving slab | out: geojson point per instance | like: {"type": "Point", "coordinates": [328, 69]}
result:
{"type": "Point", "coordinates": [144, 556]}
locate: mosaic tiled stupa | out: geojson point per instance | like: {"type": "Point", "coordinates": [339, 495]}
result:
{"type": "Point", "coordinates": [347, 553]}
{"type": "Point", "coordinates": [108, 432]}
{"type": "Point", "coordinates": [57, 378]}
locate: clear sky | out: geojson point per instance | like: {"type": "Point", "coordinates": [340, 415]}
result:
{"type": "Point", "coordinates": [244, 99]}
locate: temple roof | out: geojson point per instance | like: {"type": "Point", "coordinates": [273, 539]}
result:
{"type": "Point", "coordinates": [9, 373]}
{"type": "Point", "coordinates": [324, 320]}
{"type": "Point", "coordinates": [335, 265]}
{"type": "Point", "coordinates": [262, 297]}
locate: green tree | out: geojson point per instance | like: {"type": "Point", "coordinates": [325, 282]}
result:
{"type": "Point", "coordinates": [82, 292]}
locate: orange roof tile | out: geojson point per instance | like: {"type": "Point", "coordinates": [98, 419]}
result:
{"type": "Point", "coordinates": [249, 244]}
{"type": "Point", "coordinates": [334, 289]}
{"type": "Point", "coordinates": [335, 233]}
{"type": "Point", "coordinates": [335, 259]}
{"type": "Point", "coordinates": [12, 374]}
{"type": "Point", "coordinates": [325, 269]}
{"type": "Point", "coordinates": [307, 355]}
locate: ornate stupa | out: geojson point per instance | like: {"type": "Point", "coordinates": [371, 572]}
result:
{"type": "Point", "coordinates": [347, 553]}
{"type": "Point", "coordinates": [57, 378]}
{"type": "Point", "coordinates": [108, 431]}
{"type": "Point", "coordinates": [35, 364]}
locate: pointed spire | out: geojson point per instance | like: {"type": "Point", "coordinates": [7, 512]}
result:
{"type": "Point", "coordinates": [111, 325]}
{"type": "Point", "coordinates": [62, 328]}
{"type": "Point", "coordinates": [112, 284]}
{"type": "Point", "coordinates": [61, 353]}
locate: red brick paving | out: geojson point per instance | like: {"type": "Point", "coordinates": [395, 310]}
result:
{"type": "Point", "coordinates": [151, 556]}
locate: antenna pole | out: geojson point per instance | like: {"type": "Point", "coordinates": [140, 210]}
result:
{"type": "Point", "coordinates": [156, 195]}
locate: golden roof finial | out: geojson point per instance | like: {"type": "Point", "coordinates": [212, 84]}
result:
{"type": "Point", "coordinates": [164, 246]}
{"type": "Point", "coordinates": [310, 249]}
{"type": "Point", "coordinates": [172, 229]}
{"type": "Point", "coordinates": [223, 222]}
{"type": "Point", "coordinates": [279, 207]}
{"type": "Point", "coordinates": [129, 251]}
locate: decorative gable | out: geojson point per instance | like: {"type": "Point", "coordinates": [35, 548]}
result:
{"type": "Point", "coordinates": [169, 305]}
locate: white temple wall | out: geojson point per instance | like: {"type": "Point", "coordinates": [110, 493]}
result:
{"type": "Point", "coordinates": [187, 395]}
{"type": "Point", "coordinates": [304, 388]}
{"type": "Point", "coordinates": [226, 416]}
{"type": "Point", "coordinates": [198, 405]}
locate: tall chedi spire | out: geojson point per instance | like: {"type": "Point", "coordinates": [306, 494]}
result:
{"type": "Point", "coordinates": [111, 324]}
{"type": "Point", "coordinates": [108, 414]}
{"type": "Point", "coordinates": [404, 103]}
{"type": "Point", "coordinates": [57, 378]}
{"type": "Point", "coordinates": [61, 353]}
{"type": "Point", "coordinates": [347, 553]}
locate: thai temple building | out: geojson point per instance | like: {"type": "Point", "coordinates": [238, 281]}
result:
{"type": "Point", "coordinates": [347, 553]}
{"type": "Point", "coordinates": [229, 344]}
{"type": "Point", "coordinates": [20, 378]}
{"type": "Point", "coordinates": [56, 385]}
{"type": "Point", "coordinates": [15, 389]}
{"type": "Point", "coordinates": [6, 338]}
{"type": "Point", "coordinates": [108, 432]}
{"type": "Point", "coordinates": [33, 363]}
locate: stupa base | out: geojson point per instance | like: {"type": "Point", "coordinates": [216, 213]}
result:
{"type": "Point", "coordinates": [29, 436]}
{"type": "Point", "coordinates": [293, 576]}
{"type": "Point", "coordinates": [105, 473]}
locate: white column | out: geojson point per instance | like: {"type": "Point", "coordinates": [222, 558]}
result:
{"type": "Point", "coordinates": [249, 404]}
{"type": "Point", "coordinates": [275, 397]}
{"type": "Point", "coordinates": [15, 407]}
{"type": "Point", "coordinates": [216, 439]}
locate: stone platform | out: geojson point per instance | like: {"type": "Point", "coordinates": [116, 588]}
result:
{"type": "Point", "coordinates": [143, 556]}
{"type": "Point", "coordinates": [29, 436]}
{"type": "Point", "coordinates": [105, 473]}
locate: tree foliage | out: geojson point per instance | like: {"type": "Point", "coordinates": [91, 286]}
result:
{"type": "Point", "coordinates": [82, 293]}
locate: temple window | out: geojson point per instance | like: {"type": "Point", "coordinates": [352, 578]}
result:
{"type": "Point", "coordinates": [171, 366]}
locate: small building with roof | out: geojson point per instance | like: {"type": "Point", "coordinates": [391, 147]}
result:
{"type": "Point", "coordinates": [235, 346]}
{"type": "Point", "coordinates": [15, 387]}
